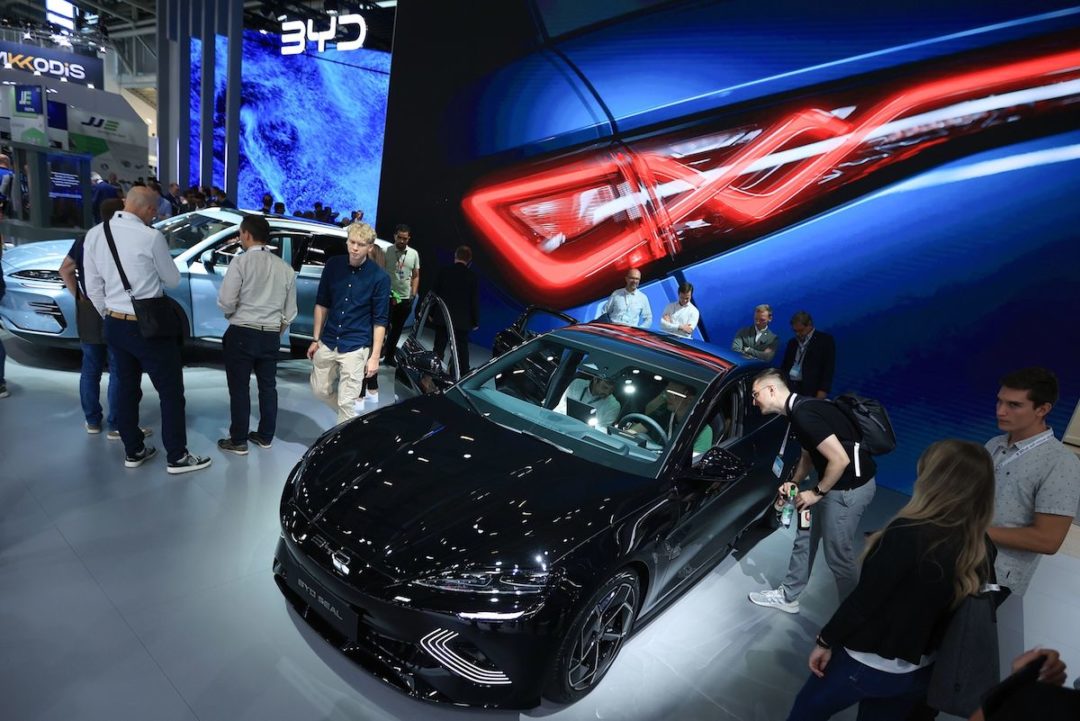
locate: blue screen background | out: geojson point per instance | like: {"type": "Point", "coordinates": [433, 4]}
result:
{"type": "Point", "coordinates": [311, 125]}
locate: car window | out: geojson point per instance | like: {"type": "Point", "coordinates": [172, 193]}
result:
{"type": "Point", "coordinates": [540, 321]}
{"type": "Point", "coordinates": [227, 250]}
{"type": "Point", "coordinates": [607, 407]}
{"type": "Point", "coordinates": [321, 248]}
{"type": "Point", "coordinates": [187, 231]}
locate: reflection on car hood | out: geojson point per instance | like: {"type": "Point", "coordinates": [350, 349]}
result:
{"type": "Point", "coordinates": [426, 486]}
{"type": "Point", "coordinates": [46, 255]}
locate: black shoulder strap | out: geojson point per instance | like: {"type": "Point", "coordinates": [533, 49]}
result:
{"type": "Point", "coordinates": [116, 257]}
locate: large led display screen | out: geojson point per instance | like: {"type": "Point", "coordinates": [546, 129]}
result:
{"type": "Point", "coordinates": [311, 124]}
{"type": "Point", "coordinates": [906, 177]}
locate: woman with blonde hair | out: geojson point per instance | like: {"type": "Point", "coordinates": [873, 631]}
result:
{"type": "Point", "coordinates": [877, 650]}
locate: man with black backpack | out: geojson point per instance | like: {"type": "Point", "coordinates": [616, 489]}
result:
{"type": "Point", "coordinates": [831, 439]}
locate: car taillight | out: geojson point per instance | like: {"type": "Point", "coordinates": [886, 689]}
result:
{"type": "Point", "coordinates": [566, 231]}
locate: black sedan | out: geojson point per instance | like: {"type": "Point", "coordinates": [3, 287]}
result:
{"type": "Point", "coordinates": [499, 540]}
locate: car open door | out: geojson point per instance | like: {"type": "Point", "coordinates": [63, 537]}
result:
{"type": "Point", "coordinates": [534, 321]}
{"type": "Point", "coordinates": [420, 370]}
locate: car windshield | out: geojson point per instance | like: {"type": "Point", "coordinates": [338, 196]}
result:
{"type": "Point", "coordinates": [607, 407]}
{"type": "Point", "coordinates": [186, 231]}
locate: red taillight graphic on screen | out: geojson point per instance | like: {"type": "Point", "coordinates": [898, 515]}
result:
{"type": "Point", "coordinates": [567, 233]}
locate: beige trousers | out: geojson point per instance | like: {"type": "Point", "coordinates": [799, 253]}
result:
{"type": "Point", "coordinates": [336, 378]}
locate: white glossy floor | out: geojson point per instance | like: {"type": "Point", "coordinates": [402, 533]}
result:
{"type": "Point", "coordinates": [132, 594]}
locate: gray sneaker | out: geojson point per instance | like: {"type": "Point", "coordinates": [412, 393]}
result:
{"type": "Point", "coordinates": [188, 463]}
{"type": "Point", "coordinates": [774, 598]}
{"type": "Point", "coordinates": [140, 458]}
{"type": "Point", "coordinates": [260, 440]}
{"type": "Point", "coordinates": [3, 390]}
{"type": "Point", "coordinates": [92, 428]}
{"type": "Point", "coordinates": [229, 446]}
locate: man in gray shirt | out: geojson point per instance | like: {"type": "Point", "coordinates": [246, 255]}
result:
{"type": "Point", "coordinates": [144, 254]}
{"type": "Point", "coordinates": [258, 297]}
{"type": "Point", "coordinates": [1037, 489]}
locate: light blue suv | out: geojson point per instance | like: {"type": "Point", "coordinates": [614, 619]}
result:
{"type": "Point", "coordinates": [38, 308]}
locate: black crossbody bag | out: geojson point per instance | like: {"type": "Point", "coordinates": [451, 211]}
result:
{"type": "Point", "coordinates": [160, 317]}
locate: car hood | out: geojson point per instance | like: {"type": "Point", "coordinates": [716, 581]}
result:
{"type": "Point", "coordinates": [46, 255]}
{"type": "Point", "coordinates": [425, 486]}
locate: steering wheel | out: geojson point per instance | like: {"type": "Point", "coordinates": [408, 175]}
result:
{"type": "Point", "coordinates": [647, 421]}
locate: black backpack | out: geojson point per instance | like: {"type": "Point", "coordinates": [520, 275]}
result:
{"type": "Point", "coordinates": [871, 420]}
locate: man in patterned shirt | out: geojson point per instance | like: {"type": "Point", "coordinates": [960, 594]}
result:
{"type": "Point", "coordinates": [1037, 489]}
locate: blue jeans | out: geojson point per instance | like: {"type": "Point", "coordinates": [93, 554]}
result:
{"type": "Point", "coordinates": [93, 363]}
{"type": "Point", "coordinates": [3, 353]}
{"type": "Point", "coordinates": [160, 358]}
{"type": "Point", "coordinates": [881, 696]}
{"type": "Point", "coordinates": [247, 350]}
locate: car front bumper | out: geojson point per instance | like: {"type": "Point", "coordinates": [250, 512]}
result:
{"type": "Point", "coordinates": [431, 656]}
{"type": "Point", "coordinates": [39, 311]}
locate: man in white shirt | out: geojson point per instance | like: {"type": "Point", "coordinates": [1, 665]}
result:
{"type": "Point", "coordinates": [595, 392]}
{"type": "Point", "coordinates": [681, 317]}
{"type": "Point", "coordinates": [144, 254]}
{"type": "Point", "coordinates": [628, 305]}
{"type": "Point", "coordinates": [258, 296]}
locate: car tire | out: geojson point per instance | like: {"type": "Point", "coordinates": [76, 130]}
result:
{"type": "Point", "coordinates": [594, 638]}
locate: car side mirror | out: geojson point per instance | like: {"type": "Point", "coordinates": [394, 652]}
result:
{"type": "Point", "coordinates": [208, 260]}
{"type": "Point", "coordinates": [720, 464]}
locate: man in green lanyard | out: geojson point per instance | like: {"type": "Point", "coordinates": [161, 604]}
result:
{"type": "Point", "coordinates": [403, 266]}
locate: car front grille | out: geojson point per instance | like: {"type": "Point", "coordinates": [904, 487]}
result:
{"type": "Point", "coordinates": [51, 309]}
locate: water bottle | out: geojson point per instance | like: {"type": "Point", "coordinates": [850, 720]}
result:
{"type": "Point", "coordinates": [789, 509]}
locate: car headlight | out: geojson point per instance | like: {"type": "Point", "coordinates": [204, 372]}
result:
{"type": "Point", "coordinates": [47, 276]}
{"type": "Point", "coordinates": [489, 581]}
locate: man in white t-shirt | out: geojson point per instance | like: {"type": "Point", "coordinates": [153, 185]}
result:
{"type": "Point", "coordinates": [681, 317]}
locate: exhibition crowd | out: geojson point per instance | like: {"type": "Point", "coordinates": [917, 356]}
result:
{"type": "Point", "coordinates": [979, 514]}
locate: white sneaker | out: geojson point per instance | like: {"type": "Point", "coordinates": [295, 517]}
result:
{"type": "Point", "coordinates": [372, 399]}
{"type": "Point", "coordinates": [774, 598]}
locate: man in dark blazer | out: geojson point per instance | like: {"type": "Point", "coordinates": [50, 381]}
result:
{"type": "Point", "coordinates": [458, 288]}
{"type": "Point", "coordinates": [810, 358]}
{"type": "Point", "coordinates": [757, 341]}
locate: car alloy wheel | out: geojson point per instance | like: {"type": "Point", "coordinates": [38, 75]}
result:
{"type": "Point", "coordinates": [595, 638]}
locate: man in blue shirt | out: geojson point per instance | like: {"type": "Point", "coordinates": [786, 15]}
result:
{"type": "Point", "coordinates": [628, 305]}
{"type": "Point", "coordinates": [351, 310]}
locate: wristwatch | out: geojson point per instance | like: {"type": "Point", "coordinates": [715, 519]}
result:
{"type": "Point", "coordinates": [818, 491]}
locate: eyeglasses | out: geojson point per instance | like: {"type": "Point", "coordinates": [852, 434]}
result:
{"type": "Point", "coordinates": [754, 393]}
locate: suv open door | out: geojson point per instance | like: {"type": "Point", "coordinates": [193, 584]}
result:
{"type": "Point", "coordinates": [420, 370]}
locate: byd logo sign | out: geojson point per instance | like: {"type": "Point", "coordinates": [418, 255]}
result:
{"type": "Point", "coordinates": [295, 34]}
{"type": "Point", "coordinates": [30, 63]}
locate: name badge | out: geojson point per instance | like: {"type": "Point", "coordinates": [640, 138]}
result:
{"type": "Point", "coordinates": [795, 373]}
{"type": "Point", "coordinates": [778, 466]}
{"type": "Point", "coordinates": [401, 275]}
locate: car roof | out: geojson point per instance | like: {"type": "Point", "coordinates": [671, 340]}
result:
{"type": "Point", "coordinates": [706, 358]}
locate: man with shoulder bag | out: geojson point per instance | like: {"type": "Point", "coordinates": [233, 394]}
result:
{"type": "Point", "coordinates": [92, 340]}
{"type": "Point", "coordinates": [127, 264]}
{"type": "Point", "coordinates": [831, 445]}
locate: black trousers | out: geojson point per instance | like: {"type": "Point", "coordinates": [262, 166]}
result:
{"type": "Point", "coordinates": [461, 340]}
{"type": "Point", "coordinates": [246, 350]}
{"type": "Point", "coordinates": [399, 315]}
